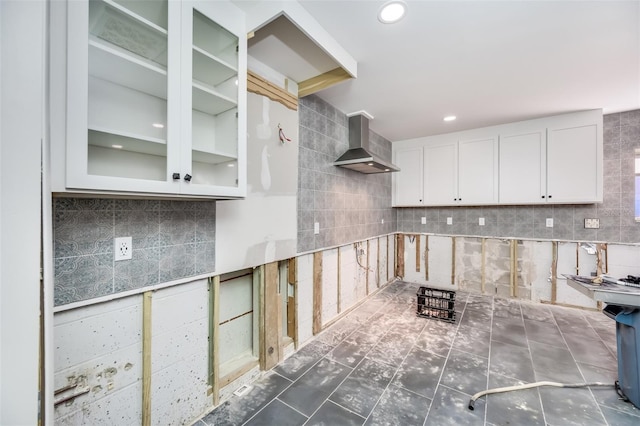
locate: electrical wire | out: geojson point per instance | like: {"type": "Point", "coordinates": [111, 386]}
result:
{"type": "Point", "coordinates": [472, 401]}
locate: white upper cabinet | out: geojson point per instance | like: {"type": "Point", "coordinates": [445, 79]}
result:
{"type": "Point", "coordinates": [440, 174]}
{"type": "Point", "coordinates": [408, 183]}
{"type": "Point", "coordinates": [155, 99]}
{"type": "Point", "coordinates": [523, 167]}
{"type": "Point", "coordinates": [478, 171]}
{"type": "Point", "coordinates": [574, 164]}
{"type": "Point", "coordinates": [549, 160]}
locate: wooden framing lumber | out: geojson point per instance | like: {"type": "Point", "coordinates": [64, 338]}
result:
{"type": "Point", "coordinates": [514, 268]}
{"type": "Point", "coordinates": [146, 358]}
{"type": "Point", "coordinates": [270, 308]}
{"type": "Point", "coordinates": [338, 288]}
{"type": "Point", "coordinates": [554, 272]}
{"type": "Point", "coordinates": [418, 257]}
{"type": "Point", "coordinates": [366, 271]}
{"type": "Point", "coordinates": [317, 292]}
{"type": "Point", "coordinates": [292, 302]}
{"type": "Point", "coordinates": [483, 266]}
{"type": "Point", "coordinates": [453, 260]}
{"type": "Point", "coordinates": [399, 255]}
{"type": "Point", "coordinates": [322, 81]}
{"type": "Point", "coordinates": [214, 333]}
{"type": "Point", "coordinates": [426, 257]}
{"type": "Point", "coordinates": [260, 86]}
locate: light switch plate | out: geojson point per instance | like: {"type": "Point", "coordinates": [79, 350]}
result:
{"type": "Point", "coordinates": [449, 221]}
{"type": "Point", "coordinates": [549, 222]}
{"type": "Point", "coordinates": [481, 221]}
{"type": "Point", "coordinates": [592, 223]}
{"type": "Point", "coordinates": [423, 220]}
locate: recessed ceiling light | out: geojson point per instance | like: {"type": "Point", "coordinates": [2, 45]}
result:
{"type": "Point", "coordinates": [450, 118]}
{"type": "Point", "coordinates": [230, 165]}
{"type": "Point", "coordinates": [116, 146]}
{"type": "Point", "coordinates": [392, 11]}
{"type": "Point", "coordinates": [158, 125]}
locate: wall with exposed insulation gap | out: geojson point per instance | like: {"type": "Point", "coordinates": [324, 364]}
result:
{"type": "Point", "coordinates": [349, 274]}
{"type": "Point", "coordinates": [511, 268]}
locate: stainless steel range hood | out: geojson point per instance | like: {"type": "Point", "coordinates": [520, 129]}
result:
{"type": "Point", "coordinates": [359, 157]}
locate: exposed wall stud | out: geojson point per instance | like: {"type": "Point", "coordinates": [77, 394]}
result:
{"type": "Point", "coordinates": [214, 327]}
{"type": "Point", "coordinates": [292, 305]}
{"type": "Point", "coordinates": [378, 263]}
{"type": "Point", "coordinates": [317, 292]}
{"type": "Point", "coordinates": [366, 271]}
{"type": "Point", "coordinates": [258, 85]}
{"type": "Point", "coordinates": [514, 268]}
{"type": "Point", "coordinates": [554, 272]}
{"type": "Point", "coordinates": [426, 257]}
{"type": "Point", "coordinates": [270, 308]}
{"type": "Point", "coordinates": [453, 260]}
{"type": "Point", "coordinates": [339, 290]}
{"type": "Point", "coordinates": [418, 257]}
{"type": "Point", "coordinates": [146, 358]}
{"type": "Point", "coordinates": [483, 266]}
{"type": "Point", "coordinates": [399, 255]}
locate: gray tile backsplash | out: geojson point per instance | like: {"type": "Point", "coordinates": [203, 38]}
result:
{"type": "Point", "coordinates": [171, 240]}
{"type": "Point", "coordinates": [616, 212]}
{"type": "Point", "coordinates": [347, 205]}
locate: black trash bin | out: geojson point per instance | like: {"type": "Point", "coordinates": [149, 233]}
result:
{"type": "Point", "coordinates": [628, 341]}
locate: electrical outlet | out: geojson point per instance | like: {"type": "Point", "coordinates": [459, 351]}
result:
{"type": "Point", "coordinates": [481, 221]}
{"type": "Point", "coordinates": [423, 220]}
{"type": "Point", "coordinates": [123, 248]}
{"type": "Point", "coordinates": [549, 222]}
{"type": "Point", "coordinates": [592, 223]}
{"type": "Point", "coordinates": [449, 221]}
{"type": "Point", "coordinates": [316, 228]}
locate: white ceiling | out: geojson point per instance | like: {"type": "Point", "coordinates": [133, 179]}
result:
{"type": "Point", "coordinates": [485, 62]}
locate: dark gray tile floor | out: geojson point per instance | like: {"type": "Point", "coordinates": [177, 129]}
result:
{"type": "Point", "coordinates": [382, 365]}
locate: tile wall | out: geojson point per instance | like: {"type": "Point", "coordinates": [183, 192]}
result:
{"type": "Point", "coordinates": [349, 206]}
{"type": "Point", "coordinates": [616, 213]}
{"type": "Point", "coordinates": [171, 240]}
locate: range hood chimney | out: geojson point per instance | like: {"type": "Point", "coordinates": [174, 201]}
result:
{"type": "Point", "coordinates": [358, 157]}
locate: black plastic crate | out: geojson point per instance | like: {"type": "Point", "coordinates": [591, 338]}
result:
{"type": "Point", "coordinates": [436, 303]}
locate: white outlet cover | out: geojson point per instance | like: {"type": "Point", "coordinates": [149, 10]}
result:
{"type": "Point", "coordinates": [316, 228]}
{"type": "Point", "coordinates": [423, 220]}
{"type": "Point", "coordinates": [481, 221]}
{"type": "Point", "coordinates": [549, 222]}
{"type": "Point", "coordinates": [449, 221]}
{"type": "Point", "coordinates": [122, 248]}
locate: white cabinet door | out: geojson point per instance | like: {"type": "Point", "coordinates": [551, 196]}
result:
{"type": "Point", "coordinates": [133, 70]}
{"type": "Point", "coordinates": [441, 174]}
{"type": "Point", "coordinates": [408, 181]}
{"type": "Point", "coordinates": [478, 171]}
{"type": "Point", "coordinates": [522, 167]}
{"type": "Point", "coordinates": [573, 164]}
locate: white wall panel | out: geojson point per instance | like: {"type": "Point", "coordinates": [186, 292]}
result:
{"type": "Point", "coordinates": [348, 272]}
{"type": "Point", "coordinates": [329, 285]}
{"type": "Point", "coordinates": [567, 261]}
{"type": "Point", "coordinates": [305, 297]}
{"type": "Point", "coordinates": [623, 260]}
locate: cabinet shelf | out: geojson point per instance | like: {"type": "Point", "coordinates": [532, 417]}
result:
{"type": "Point", "coordinates": [209, 69]}
{"type": "Point", "coordinates": [209, 101]}
{"type": "Point", "coordinates": [107, 138]}
{"type": "Point", "coordinates": [117, 25]}
{"type": "Point", "coordinates": [121, 67]}
{"type": "Point", "coordinates": [211, 157]}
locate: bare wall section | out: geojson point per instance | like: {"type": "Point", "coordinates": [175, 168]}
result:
{"type": "Point", "coordinates": [262, 227]}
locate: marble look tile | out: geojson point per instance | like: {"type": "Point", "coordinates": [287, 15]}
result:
{"type": "Point", "coordinates": [465, 372]}
{"type": "Point", "coordinates": [398, 406]}
{"type": "Point", "coordinates": [511, 361]}
{"type": "Point", "coordinates": [544, 332]}
{"type": "Point", "coordinates": [277, 413]}
{"type": "Point", "coordinates": [353, 349]}
{"type": "Point", "coordinates": [237, 410]}
{"type": "Point", "coordinates": [554, 363]}
{"type": "Point", "coordinates": [420, 372]}
{"type": "Point", "coordinates": [566, 406]}
{"type": "Point", "coordinates": [363, 387]}
{"type": "Point", "coordinates": [449, 407]}
{"type": "Point", "coordinates": [520, 407]}
{"type": "Point", "coordinates": [311, 390]}
{"type": "Point", "coordinates": [332, 414]}
{"type": "Point", "coordinates": [295, 366]}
